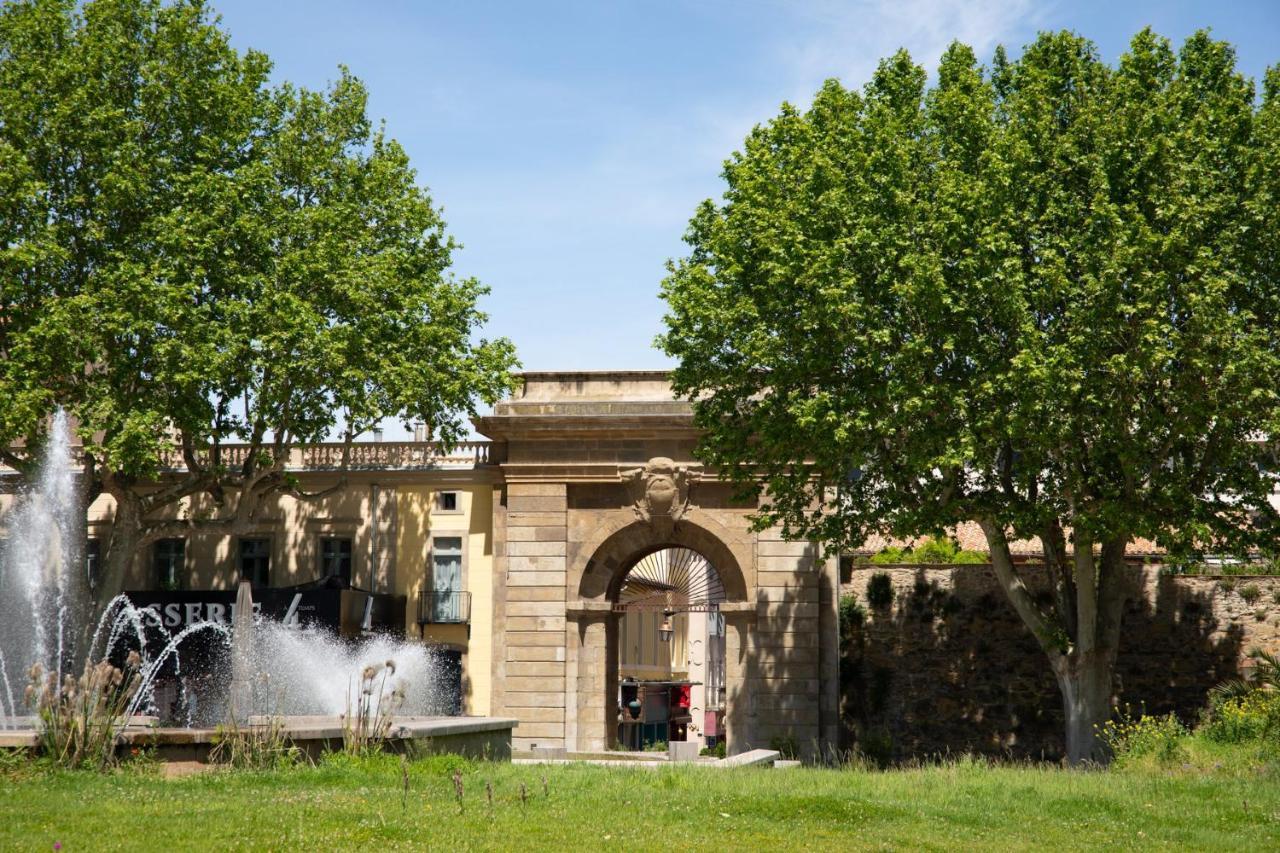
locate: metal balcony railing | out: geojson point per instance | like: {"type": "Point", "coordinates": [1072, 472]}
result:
{"type": "Point", "coordinates": [444, 608]}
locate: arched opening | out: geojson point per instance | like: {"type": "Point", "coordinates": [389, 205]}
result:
{"type": "Point", "coordinates": [608, 557]}
{"type": "Point", "coordinates": [670, 651]}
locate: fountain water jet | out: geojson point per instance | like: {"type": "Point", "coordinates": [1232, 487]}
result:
{"type": "Point", "coordinates": [241, 652]}
{"type": "Point", "coordinates": [37, 590]}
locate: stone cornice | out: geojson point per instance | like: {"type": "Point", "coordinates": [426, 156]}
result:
{"type": "Point", "coordinates": [620, 424]}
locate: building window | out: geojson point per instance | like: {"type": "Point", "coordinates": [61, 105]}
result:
{"type": "Point", "coordinates": [169, 558]}
{"type": "Point", "coordinates": [448, 502]}
{"type": "Point", "coordinates": [92, 561]}
{"type": "Point", "coordinates": [255, 561]}
{"type": "Point", "coordinates": [335, 558]}
{"type": "Point", "coordinates": [446, 578]}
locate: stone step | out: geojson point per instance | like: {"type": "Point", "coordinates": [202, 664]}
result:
{"type": "Point", "coordinates": [751, 758]}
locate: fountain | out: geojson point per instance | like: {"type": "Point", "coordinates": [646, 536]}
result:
{"type": "Point", "coordinates": [242, 655]}
{"type": "Point", "coordinates": [254, 666]}
{"type": "Point", "coordinates": [36, 589]}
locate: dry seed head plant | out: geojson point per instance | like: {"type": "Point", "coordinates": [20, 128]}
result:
{"type": "Point", "coordinates": [366, 727]}
{"type": "Point", "coordinates": [81, 718]}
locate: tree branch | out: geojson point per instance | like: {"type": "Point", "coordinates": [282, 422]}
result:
{"type": "Point", "coordinates": [22, 464]}
{"type": "Point", "coordinates": [1001, 560]}
{"type": "Point", "coordinates": [1054, 542]}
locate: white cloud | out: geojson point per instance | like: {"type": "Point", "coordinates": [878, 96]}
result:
{"type": "Point", "coordinates": [848, 39]}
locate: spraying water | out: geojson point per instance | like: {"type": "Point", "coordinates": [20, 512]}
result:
{"type": "Point", "coordinates": [309, 671]}
{"type": "Point", "coordinates": [293, 671]}
{"type": "Point", "coordinates": [36, 588]}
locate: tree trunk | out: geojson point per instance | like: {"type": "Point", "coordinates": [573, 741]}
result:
{"type": "Point", "coordinates": [1081, 644]}
{"type": "Point", "coordinates": [1085, 682]}
{"type": "Point", "coordinates": [82, 612]}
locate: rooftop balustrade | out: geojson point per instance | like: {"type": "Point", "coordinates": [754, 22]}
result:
{"type": "Point", "coordinates": [368, 455]}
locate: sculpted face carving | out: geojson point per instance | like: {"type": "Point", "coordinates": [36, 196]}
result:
{"type": "Point", "coordinates": [659, 490]}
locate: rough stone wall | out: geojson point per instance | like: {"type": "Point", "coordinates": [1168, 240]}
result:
{"type": "Point", "coordinates": [948, 667]}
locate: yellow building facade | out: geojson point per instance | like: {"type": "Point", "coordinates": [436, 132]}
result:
{"type": "Point", "coordinates": [407, 515]}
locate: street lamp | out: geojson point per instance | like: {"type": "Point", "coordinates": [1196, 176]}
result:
{"type": "Point", "coordinates": [664, 630]}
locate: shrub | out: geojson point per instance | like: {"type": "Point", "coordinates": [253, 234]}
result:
{"type": "Point", "coordinates": [786, 746]}
{"type": "Point", "coordinates": [1242, 710]}
{"type": "Point", "coordinates": [1253, 716]}
{"type": "Point", "coordinates": [1250, 593]}
{"type": "Point", "coordinates": [1155, 737]}
{"type": "Point", "coordinates": [892, 554]}
{"type": "Point", "coordinates": [851, 613]}
{"type": "Point", "coordinates": [880, 591]}
{"type": "Point", "coordinates": [940, 550]}
{"type": "Point", "coordinates": [876, 746]}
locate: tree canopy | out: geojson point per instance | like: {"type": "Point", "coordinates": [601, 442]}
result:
{"type": "Point", "coordinates": [191, 256]}
{"type": "Point", "coordinates": [1040, 295]}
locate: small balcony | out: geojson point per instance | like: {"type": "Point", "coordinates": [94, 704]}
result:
{"type": "Point", "coordinates": [444, 608]}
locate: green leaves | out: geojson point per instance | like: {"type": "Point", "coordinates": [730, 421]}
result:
{"type": "Point", "coordinates": [1042, 294]}
{"type": "Point", "coordinates": [186, 250]}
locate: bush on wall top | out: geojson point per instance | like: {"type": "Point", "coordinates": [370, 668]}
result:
{"type": "Point", "coordinates": [935, 550]}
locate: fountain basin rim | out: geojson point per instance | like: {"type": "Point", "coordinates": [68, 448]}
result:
{"type": "Point", "coordinates": [296, 728]}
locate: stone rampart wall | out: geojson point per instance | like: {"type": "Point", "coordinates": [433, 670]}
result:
{"type": "Point", "coordinates": [948, 667]}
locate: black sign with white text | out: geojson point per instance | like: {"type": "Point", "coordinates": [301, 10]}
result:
{"type": "Point", "coordinates": [345, 611]}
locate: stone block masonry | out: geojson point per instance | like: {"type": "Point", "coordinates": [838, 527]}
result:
{"type": "Point", "coordinates": [534, 624]}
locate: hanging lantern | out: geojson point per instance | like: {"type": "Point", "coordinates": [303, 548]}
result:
{"type": "Point", "coordinates": [664, 631]}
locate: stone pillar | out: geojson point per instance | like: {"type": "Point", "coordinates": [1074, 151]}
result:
{"type": "Point", "coordinates": [573, 682]}
{"type": "Point", "coordinates": [533, 688]}
{"type": "Point", "coordinates": [739, 701]}
{"type": "Point", "coordinates": [594, 707]}
{"type": "Point", "coordinates": [498, 661]}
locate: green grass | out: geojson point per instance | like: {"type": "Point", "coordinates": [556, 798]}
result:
{"type": "Point", "coordinates": [349, 804]}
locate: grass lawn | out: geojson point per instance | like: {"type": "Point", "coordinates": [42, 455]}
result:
{"type": "Point", "coordinates": [350, 804]}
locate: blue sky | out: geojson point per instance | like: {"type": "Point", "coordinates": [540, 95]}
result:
{"type": "Point", "coordinates": [569, 142]}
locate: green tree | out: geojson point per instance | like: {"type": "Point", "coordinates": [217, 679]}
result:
{"type": "Point", "coordinates": [190, 257]}
{"type": "Point", "coordinates": [1040, 296]}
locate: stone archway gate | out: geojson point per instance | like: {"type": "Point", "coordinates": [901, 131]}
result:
{"type": "Point", "coordinates": [599, 472]}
